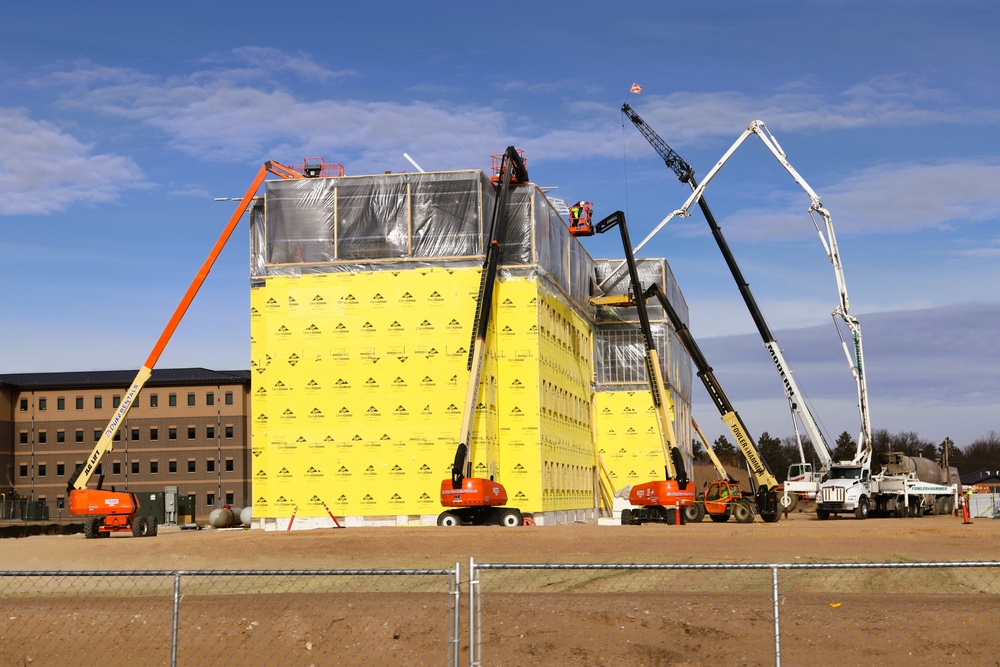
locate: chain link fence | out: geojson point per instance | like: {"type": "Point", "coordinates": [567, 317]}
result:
{"type": "Point", "coordinates": [753, 614]}
{"type": "Point", "coordinates": [228, 617]}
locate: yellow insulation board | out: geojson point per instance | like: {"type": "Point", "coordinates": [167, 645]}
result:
{"type": "Point", "coordinates": [359, 381]}
{"type": "Point", "coordinates": [627, 437]}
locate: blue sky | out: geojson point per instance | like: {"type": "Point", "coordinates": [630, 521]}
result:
{"type": "Point", "coordinates": [120, 126]}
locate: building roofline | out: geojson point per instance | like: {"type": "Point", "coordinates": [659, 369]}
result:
{"type": "Point", "coordinates": [122, 378]}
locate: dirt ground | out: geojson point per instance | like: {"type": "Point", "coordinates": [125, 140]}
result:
{"type": "Point", "coordinates": [864, 617]}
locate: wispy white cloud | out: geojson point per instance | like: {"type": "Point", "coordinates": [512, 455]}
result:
{"type": "Point", "coordinates": [44, 169]}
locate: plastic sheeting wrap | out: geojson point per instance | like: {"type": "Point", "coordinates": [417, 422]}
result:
{"type": "Point", "coordinates": [335, 224]}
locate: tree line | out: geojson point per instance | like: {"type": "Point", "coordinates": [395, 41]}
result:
{"type": "Point", "coordinates": [981, 454]}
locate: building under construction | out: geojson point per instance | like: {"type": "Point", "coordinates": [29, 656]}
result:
{"type": "Point", "coordinates": [363, 299]}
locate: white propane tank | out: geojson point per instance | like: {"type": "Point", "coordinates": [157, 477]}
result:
{"type": "Point", "coordinates": [246, 515]}
{"type": "Point", "coordinates": [221, 517]}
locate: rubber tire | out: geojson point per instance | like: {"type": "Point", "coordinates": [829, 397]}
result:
{"type": "Point", "coordinates": [139, 527]}
{"type": "Point", "coordinates": [719, 518]}
{"type": "Point", "coordinates": [694, 513]}
{"type": "Point", "coordinates": [901, 510]}
{"type": "Point", "coordinates": [151, 526]}
{"type": "Point", "coordinates": [822, 515]}
{"type": "Point", "coordinates": [627, 517]}
{"type": "Point", "coordinates": [510, 517]}
{"type": "Point", "coordinates": [916, 509]}
{"type": "Point", "coordinates": [742, 512]}
{"type": "Point", "coordinates": [448, 519]}
{"type": "Point", "coordinates": [91, 527]}
{"type": "Point", "coordinates": [793, 502]}
{"type": "Point", "coordinates": [861, 511]}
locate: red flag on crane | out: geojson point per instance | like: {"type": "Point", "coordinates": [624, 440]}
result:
{"type": "Point", "coordinates": [636, 88]}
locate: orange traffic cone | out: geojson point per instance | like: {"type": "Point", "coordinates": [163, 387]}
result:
{"type": "Point", "coordinates": [966, 515]}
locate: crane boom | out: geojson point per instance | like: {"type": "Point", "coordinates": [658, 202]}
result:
{"type": "Point", "coordinates": [796, 399]}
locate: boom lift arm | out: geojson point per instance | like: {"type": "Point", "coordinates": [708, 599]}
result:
{"type": "Point", "coordinates": [796, 399]}
{"type": "Point", "coordinates": [674, 462]}
{"type": "Point", "coordinates": [96, 501]}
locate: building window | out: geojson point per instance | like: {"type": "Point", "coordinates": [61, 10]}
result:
{"type": "Point", "coordinates": [24, 437]}
{"type": "Point", "coordinates": [229, 398]}
{"type": "Point", "coordinates": [24, 405]}
{"type": "Point", "coordinates": [60, 469]}
{"type": "Point", "coordinates": [116, 468]}
{"type": "Point", "coordinates": [98, 402]}
{"type": "Point", "coordinates": [210, 432]}
{"type": "Point", "coordinates": [60, 503]}
{"type": "Point", "coordinates": [116, 400]}
{"type": "Point", "coordinates": [209, 465]}
{"type": "Point", "coordinates": [192, 432]}
{"type": "Point", "coordinates": [154, 433]}
{"type": "Point", "coordinates": [42, 437]}
{"type": "Point", "coordinates": [135, 435]}
{"type": "Point", "coordinates": [172, 400]}
{"type": "Point", "coordinates": [42, 470]}
{"type": "Point", "coordinates": [210, 499]}
{"type": "Point", "coordinates": [229, 432]}
{"type": "Point", "coordinates": [190, 400]}
{"type": "Point", "coordinates": [97, 434]}
{"type": "Point", "coordinates": [117, 437]}
{"type": "Point", "coordinates": [42, 403]}
{"type": "Point", "coordinates": [172, 466]}
{"type": "Point", "coordinates": [135, 467]}
{"type": "Point", "coordinates": [172, 433]}
{"type": "Point", "coordinates": [79, 402]}
{"type": "Point", "coordinates": [192, 465]}
{"type": "Point", "coordinates": [61, 403]}
{"type": "Point", "coordinates": [23, 470]}
{"type": "Point", "coordinates": [230, 499]}
{"type": "Point", "coordinates": [154, 467]}
{"type": "Point", "coordinates": [229, 465]}
{"type": "Point", "coordinates": [154, 400]}
{"type": "Point", "coordinates": [78, 435]}
{"type": "Point", "coordinates": [210, 398]}
{"type": "Point", "coordinates": [60, 436]}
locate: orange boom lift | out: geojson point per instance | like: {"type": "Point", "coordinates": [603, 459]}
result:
{"type": "Point", "coordinates": [108, 512]}
{"type": "Point", "coordinates": [477, 500]}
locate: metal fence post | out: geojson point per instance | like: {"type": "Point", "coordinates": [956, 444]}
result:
{"type": "Point", "coordinates": [474, 629]}
{"type": "Point", "coordinates": [777, 616]}
{"type": "Point", "coordinates": [177, 605]}
{"type": "Point", "coordinates": [456, 592]}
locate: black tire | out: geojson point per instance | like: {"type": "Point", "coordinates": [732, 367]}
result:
{"type": "Point", "coordinates": [822, 515]}
{"type": "Point", "coordinates": [626, 517]}
{"type": "Point", "coordinates": [861, 511]}
{"type": "Point", "coordinates": [91, 526]}
{"type": "Point", "coordinates": [139, 527]}
{"type": "Point", "coordinates": [510, 517]}
{"type": "Point", "coordinates": [449, 519]}
{"type": "Point", "coordinates": [694, 513]}
{"type": "Point", "coordinates": [793, 502]}
{"type": "Point", "coordinates": [742, 512]}
{"type": "Point", "coordinates": [719, 518]}
{"type": "Point", "coordinates": [151, 526]}
{"type": "Point", "coordinates": [916, 509]}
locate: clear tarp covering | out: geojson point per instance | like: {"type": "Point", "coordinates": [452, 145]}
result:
{"type": "Point", "coordinates": [335, 224]}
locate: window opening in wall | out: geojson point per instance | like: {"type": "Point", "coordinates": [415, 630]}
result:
{"type": "Point", "coordinates": [135, 467]}
{"type": "Point", "coordinates": [97, 434]}
{"type": "Point", "coordinates": [24, 405]}
{"type": "Point", "coordinates": [78, 436]}
{"type": "Point", "coordinates": [60, 436]}
{"type": "Point", "coordinates": [230, 497]}
{"type": "Point", "coordinates": [117, 437]}
{"type": "Point", "coordinates": [192, 466]}
{"type": "Point", "coordinates": [24, 437]}
{"type": "Point", "coordinates": [42, 469]}
{"type": "Point", "coordinates": [229, 465]}
{"type": "Point", "coordinates": [60, 503]}
{"type": "Point", "coordinates": [60, 469]}
{"type": "Point", "coordinates": [116, 400]}
{"type": "Point", "coordinates": [61, 403]}
{"type": "Point", "coordinates": [154, 466]}
{"type": "Point", "coordinates": [192, 432]}
{"type": "Point", "coordinates": [154, 433]}
{"type": "Point", "coordinates": [229, 432]}
{"type": "Point", "coordinates": [172, 400]}
{"type": "Point", "coordinates": [209, 465]}
{"type": "Point", "coordinates": [172, 433]}
{"type": "Point", "coordinates": [210, 432]}
{"type": "Point", "coordinates": [79, 402]}
{"type": "Point", "coordinates": [42, 403]}
{"type": "Point", "coordinates": [191, 400]}
{"type": "Point", "coordinates": [98, 402]}
{"type": "Point", "coordinates": [42, 437]}
{"type": "Point", "coordinates": [22, 470]}
{"type": "Point", "coordinates": [209, 398]}
{"type": "Point", "coordinates": [172, 466]}
{"type": "Point", "coordinates": [154, 400]}
{"type": "Point", "coordinates": [116, 468]}
{"type": "Point", "coordinates": [210, 499]}
{"type": "Point", "coordinates": [229, 398]}
{"type": "Point", "coordinates": [135, 434]}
